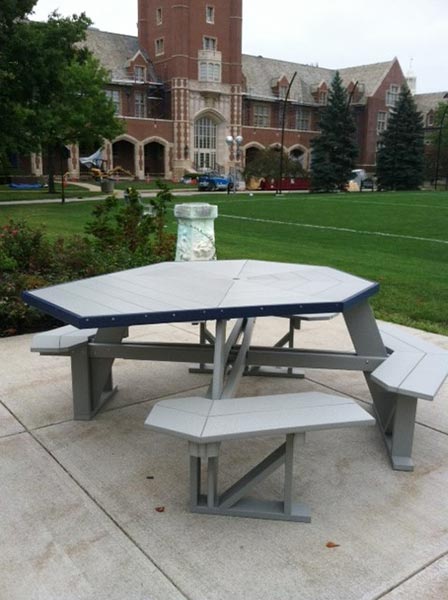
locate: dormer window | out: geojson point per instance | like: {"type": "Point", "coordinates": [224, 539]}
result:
{"type": "Point", "coordinates": [139, 74]}
{"type": "Point", "coordinates": [282, 91]}
{"type": "Point", "coordinates": [209, 43]}
{"type": "Point", "coordinates": [210, 14]}
{"type": "Point", "coordinates": [323, 97]}
{"type": "Point", "coordinates": [159, 17]}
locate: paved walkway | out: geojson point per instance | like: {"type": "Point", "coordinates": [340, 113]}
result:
{"type": "Point", "coordinates": [98, 510]}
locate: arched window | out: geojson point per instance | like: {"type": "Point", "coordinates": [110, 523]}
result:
{"type": "Point", "coordinates": [205, 143]}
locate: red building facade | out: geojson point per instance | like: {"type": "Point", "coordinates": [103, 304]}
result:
{"type": "Point", "coordinates": [183, 85]}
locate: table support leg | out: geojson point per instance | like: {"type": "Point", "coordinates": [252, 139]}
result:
{"type": "Point", "coordinates": [403, 433]}
{"type": "Point", "coordinates": [92, 383]}
{"type": "Point", "coordinates": [395, 413]}
{"type": "Point", "coordinates": [288, 372]}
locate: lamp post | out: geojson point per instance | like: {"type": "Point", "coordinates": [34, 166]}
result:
{"type": "Point", "coordinates": [439, 143]}
{"type": "Point", "coordinates": [235, 141]}
{"type": "Point", "coordinates": [285, 104]}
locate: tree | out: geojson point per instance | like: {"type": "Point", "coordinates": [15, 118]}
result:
{"type": "Point", "coordinates": [334, 151]}
{"type": "Point", "coordinates": [438, 151]}
{"type": "Point", "coordinates": [266, 163]}
{"type": "Point", "coordinates": [11, 14]}
{"type": "Point", "coordinates": [58, 88]}
{"type": "Point", "coordinates": [400, 160]}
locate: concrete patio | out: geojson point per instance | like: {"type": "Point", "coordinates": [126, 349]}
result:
{"type": "Point", "coordinates": [79, 500]}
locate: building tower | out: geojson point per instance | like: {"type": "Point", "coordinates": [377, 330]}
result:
{"type": "Point", "coordinates": [195, 47]}
{"type": "Point", "coordinates": [411, 79]}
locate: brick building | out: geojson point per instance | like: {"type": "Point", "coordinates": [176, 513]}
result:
{"type": "Point", "coordinates": [183, 85]}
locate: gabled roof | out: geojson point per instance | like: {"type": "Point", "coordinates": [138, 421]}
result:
{"type": "Point", "coordinates": [114, 51]}
{"type": "Point", "coordinates": [369, 75]}
{"type": "Point", "coordinates": [260, 71]}
{"type": "Point", "coordinates": [427, 102]}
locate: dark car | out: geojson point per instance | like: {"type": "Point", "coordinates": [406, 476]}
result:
{"type": "Point", "coordinates": [213, 181]}
{"type": "Point", "coordinates": [368, 184]}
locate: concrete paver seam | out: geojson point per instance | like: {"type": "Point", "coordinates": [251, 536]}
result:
{"type": "Point", "coordinates": [410, 576]}
{"type": "Point", "coordinates": [111, 518]}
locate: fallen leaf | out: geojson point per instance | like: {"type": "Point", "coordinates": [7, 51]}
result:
{"type": "Point", "coordinates": [332, 545]}
{"type": "Point", "coordinates": [160, 508]}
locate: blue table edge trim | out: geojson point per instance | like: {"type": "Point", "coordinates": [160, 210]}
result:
{"type": "Point", "coordinates": [185, 316]}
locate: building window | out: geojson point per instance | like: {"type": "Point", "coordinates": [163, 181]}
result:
{"type": "Point", "coordinates": [381, 122]}
{"type": "Point", "coordinates": [139, 74]}
{"type": "Point", "coordinates": [323, 97]}
{"type": "Point", "coordinates": [160, 46]}
{"type": "Point", "coordinates": [209, 71]}
{"type": "Point", "coordinates": [281, 113]}
{"type": "Point", "coordinates": [114, 95]}
{"type": "Point", "coordinates": [303, 119]}
{"type": "Point", "coordinates": [392, 95]}
{"type": "Point", "coordinates": [282, 91]}
{"type": "Point", "coordinates": [159, 18]}
{"type": "Point", "coordinates": [209, 43]}
{"type": "Point", "coordinates": [430, 119]}
{"type": "Point", "coordinates": [209, 14]}
{"type": "Point", "coordinates": [205, 130]}
{"type": "Point", "coordinates": [261, 115]}
{"type": "Point", "coordinates": [139, 105]}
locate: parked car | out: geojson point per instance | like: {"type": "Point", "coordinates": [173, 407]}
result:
{"type": "Point", "coordinates": [210, 182]}
{"type": "Point", "coordinates": [368, 184]}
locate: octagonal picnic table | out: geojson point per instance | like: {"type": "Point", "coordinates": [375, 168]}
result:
{"type": "Point", "coordinates": [219, 290]}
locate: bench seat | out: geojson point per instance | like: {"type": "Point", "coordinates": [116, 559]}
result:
{"type": "Point", "coordinates": [206, 423]}
{"type": "Point", "coordinates": [61, 340]}
{"type": "Point", "coordinates": [203, 421]}
{"type": "Point", "coordinates": [414, 367]}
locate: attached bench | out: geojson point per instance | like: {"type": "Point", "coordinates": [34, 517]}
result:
{"type": "Point", "coordinates": [413, 369]}
{"type": "Point", "coordinates": [206, 423]}
{"type": "Point", "coordinates": [91, 389]}
{"type": "Point", "coordinates": [61, 341]}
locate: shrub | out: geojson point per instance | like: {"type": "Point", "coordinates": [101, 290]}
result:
{"type": "Point", "coordinates": [120, 237]}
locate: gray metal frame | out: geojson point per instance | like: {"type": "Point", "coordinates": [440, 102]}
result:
{"type": "Point", "coordinates": [395, 413]}
{"type": "Point", "coordinates": [92, 370]}
{"type": "Point", "coordinates": [228, 289]}
{"type": "Point", "coordinates": [234, 501]}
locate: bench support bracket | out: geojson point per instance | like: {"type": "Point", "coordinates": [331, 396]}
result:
{"type": "Point", "coordinates": [234, 501]}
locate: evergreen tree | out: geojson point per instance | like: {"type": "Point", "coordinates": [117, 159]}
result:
{"type": "Point", "coordinates": [334, 151]}
{"type": "Point", "coordinates": [438, 151]}
{"type": "Point", "coordinates": [400, 160]}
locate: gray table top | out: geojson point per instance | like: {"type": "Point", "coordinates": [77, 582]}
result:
{"type": "Point", "coordinates": [191, 291]}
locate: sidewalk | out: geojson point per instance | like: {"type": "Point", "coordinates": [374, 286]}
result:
{"type": "Point", "coordinates": [79, 499]}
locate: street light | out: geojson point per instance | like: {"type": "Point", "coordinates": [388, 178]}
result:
{"type": "Point", "coordinates": [279, 191]}
{"type": "Point", "coordinates": [439, 142]}
{"type": "Point", "coordinates": [237, 141]}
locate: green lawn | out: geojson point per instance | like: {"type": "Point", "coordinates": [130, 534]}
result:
{"type": "Point", "coordinates": [122, 184]}
{"type": "Point", "coordinates": [398, 239]}
{"type": "Point", "coordinates": [74, 191]}
{"type": "Point", "coordinates": [71, 191]}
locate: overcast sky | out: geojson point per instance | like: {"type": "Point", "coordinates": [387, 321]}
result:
{"type": "Point", "coordinates": [332, 33]}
